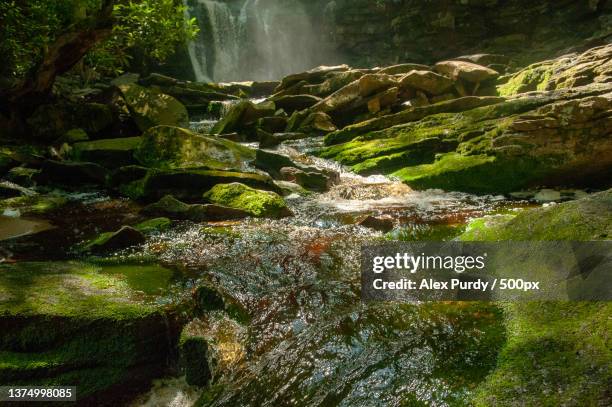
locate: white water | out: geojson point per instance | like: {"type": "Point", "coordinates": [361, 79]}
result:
{"type": "Point", "coordinates": [253, 40]}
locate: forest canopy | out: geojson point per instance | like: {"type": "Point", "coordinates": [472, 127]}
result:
{"type": "Point", "coordinates": [138, 31]}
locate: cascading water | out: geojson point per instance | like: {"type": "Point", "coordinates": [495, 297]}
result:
{"type": "Point", "coordinates": [254, 40]}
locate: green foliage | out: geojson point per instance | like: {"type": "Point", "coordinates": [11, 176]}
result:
{"type": "Point", "coordinates": [151, 28]}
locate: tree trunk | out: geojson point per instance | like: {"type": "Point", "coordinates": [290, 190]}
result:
{"type": "Point", "coordinates": [67, 50]}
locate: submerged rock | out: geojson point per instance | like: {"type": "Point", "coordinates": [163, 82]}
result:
{"type": "Point", "coordinates": [257, 203]}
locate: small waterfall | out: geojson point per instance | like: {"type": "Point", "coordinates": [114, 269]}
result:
{"type": "Point", "coordinates": [215, 53]}
{"type": "Point", "coordinates": [254, 40]}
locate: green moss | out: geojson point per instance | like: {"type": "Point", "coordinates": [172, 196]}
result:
{"type": "Point", "coordinates": [169, 147]}
{"type": "Point", "coordinates": [557, 353]}
{"type": "Point", "coordinates": [83, 324]}
{"type": "Point", "coordinates": [37, 204]}
{"type": "Point", "coordinates": [256, 202]}
{"type": "Point", "coordinates": [154, 225]}
{"type": "Point", "coordinates": [110, 153]}
{"type": "Point", "coordinates": [534, 77]}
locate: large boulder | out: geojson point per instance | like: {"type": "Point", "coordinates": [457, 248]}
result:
{"type": "Point", "coordinates": [110, 153]}
{"type": "Point", "coordinates": [52, 121]}
{"type": "Point", "coordinates": [243, 114]}
{"type": "Point", "coordinates": [150, 107]}
{"type": "Point", "coordinates": [467, 71]}
{"type": "Point", "coordinates": [427, 81]}
{"type": "Point", "coordinates": [291, 103]}
{"type": "Point", "coordinates": [187, 184]}
{"type": "Point", "coordinates": [86, 325]}
{"type": "Point", "coordinates": [173, 147]}
{"type": "Point", "coordinates": [554, 138]}
{"type": "Point", "coordinates": [257, 203]}
{"type": "Point", "coordinates": [172, 208]}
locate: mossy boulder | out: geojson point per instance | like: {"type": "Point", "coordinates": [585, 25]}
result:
{"type": "Point", "coordinates": [151, 108]}
{"type": "Point", "coordinates": [257, 203]}
{"type": "Point", "coordinates": [75, 323]}
{"type": "Point", "coordinates": [555, 138]}
{"type": "Point", "coordinates": [188, 184]}
{"type": "Point", "coordinates": [172, 147]}
{"type": "Point", "coordinates": [110, 153]}
{"type": "Point", "coordinates": [154, 225]}
{"type": "Point", "coordinates": [556, 353]}
{"type": "Point", "coordinates": [175, 209]}
{"type": "Point", "coordinates": [34, 204]}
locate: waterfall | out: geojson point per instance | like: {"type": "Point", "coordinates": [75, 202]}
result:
{"type": "Point", "coordinates": [254, 40]}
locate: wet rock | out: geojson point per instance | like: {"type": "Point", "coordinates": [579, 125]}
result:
{"type": "Point", "coordinates": [291, 103]}
{"type": "Point", "coordinates": [173, 147]}
{"type": "Point", "coordinates": [273, 124]}
{"type": "Point", "coordinates": [153, 225]}
{"type": "Point", "coordinates": [123, 238]}
{"type": "Point", "coordinates": [175, 209]}
{"type": "Point", "coordinates": [194, 357]}
{"type": "Point", "coordinates": [50, 122]}
{"type": "Point", "coordinates": [189, 184]}
{"type": "Point", "coordinates": [109, 153]}
{"type": "Point", "coordinates": [257, 203]}
{"type": "Point", "coordinates": [427, 81]}
{"type": "Point", "coordinates": [10, 190]}
{"type": "Point", "coordinates": [377, 223]}
{"type": "Point", "coordinates": [315, 181]}
{"type": "Point", "coordinates": [466, 70]}
{"type": "Point", "coordinates": [242, 115]}
{"type": "Point", "coordinates": [22, 176]}
{"type": "Point", "coordinates": [150, 107]}
{"type": "Point", "coordinates": [71, 174]}
{"type": "Point", "coordinates": [274, 163]}
{"type": "Point", "coordinates": [267, 140]}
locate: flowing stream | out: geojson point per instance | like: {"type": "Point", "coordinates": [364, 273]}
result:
{"type": "Point", "coordinates": [305, 338]}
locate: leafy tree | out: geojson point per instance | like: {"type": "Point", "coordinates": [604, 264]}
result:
{"type": "Point", "coordinates": [40, 39]}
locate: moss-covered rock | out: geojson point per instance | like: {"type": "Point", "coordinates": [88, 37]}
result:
{"type": "Point", "coordinates": [110, 153]}
{"type": "Point", "coordinates": [256, 202]}
{"type": "Point", "coordinates": [75, 323]}
{"type": "Point", "coordinates": [243, 114]}
{"type": "Point", "coordinates": [150, 107]}
{"type": "Point", "coordinates": [153, 225]}
{"type": "Point", "coordinates": [172, 147]}
{"type": "Point", "coordinates": [35, 204]}
{"type": "Point", "coordinates": [553, 138]}
{"type": "Point", "coordinates": [109, 241]}
{"type": "Point", "coordinates": [557, 353]}
{"type": "Point", "coordinates": [188, 184]}
{"type": "Point", "coordinates": [175, 209]}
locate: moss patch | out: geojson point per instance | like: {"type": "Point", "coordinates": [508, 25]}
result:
{"type": "Point", "coordinates": [256, 202]}
{"type": "Point", "coordinates": [557, 353]}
